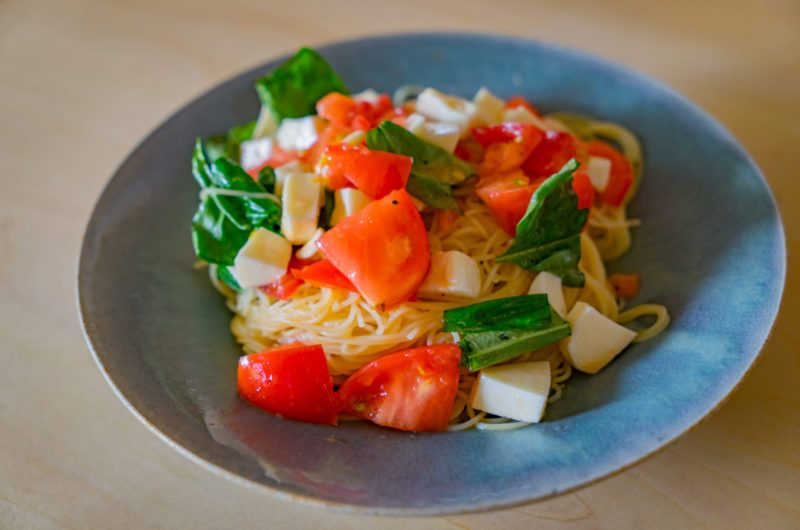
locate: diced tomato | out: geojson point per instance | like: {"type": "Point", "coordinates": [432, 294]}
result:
{"type": "Point", "coordinates": [279, 158]}
{"type": "Point", "coordinates": [412, 390]}
{"type": "Point", "coordinates": [469, 150]}
{"type": "Point", "coordinates": [621, 178]}
{"type": "Point", "coordinates": [324, 274]}
{"type": "Point", "coordinates": [332, 134]}
{"type": "Point", "coordinates": [383, 249]}
{"type": "Point", "coordinates": [582, 186]}
{"type": "Point", "coordinates": [444, 221]}
{"type": "Point", "coordinates": [292, 381]}
{"type": "Point", "coordinates": [550, 155]}
{"type": "Point", "coordinates": [625, 285]}
{"type": "Point", "coordinates": [376, 173]}
{"type": "Point", "coordinates": [345, 111]}
{"type": "Point", "coordinates": [284, 287]}
{"type": "Point", "coordinates": [507, 146]}
{"type": "Point", "coordinates": [519, 101]}
{"type": "Point", "coordinates": [508, 197]}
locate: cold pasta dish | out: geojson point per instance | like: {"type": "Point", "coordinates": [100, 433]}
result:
{"type": "Point", "coordinates": [422, 261]}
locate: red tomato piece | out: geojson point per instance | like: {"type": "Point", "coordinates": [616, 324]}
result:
{"type": "Point", "coordinates": [508, 197]}
{"type": "Point", "coordinates": [284, 287]}
{"type": "Point", "coordinates": [376, 173]}
{"type": "Point", "coordinates": [292, 381]}
{"type": "Point", "coordinates": [625, 285]}
{"type": "Point", "coordinates": [324, 274]}
{"type": "Point", "coordinates": [279, 157]}
{"type": "Point", "coordinates": [469, 150]}
{"type": "Point", "coordinates": [519, 101]}
{"type": "Point", "coordinates": [383, 249]}
{"type": "Point", "coordinates": [507, 146]}
{"type": "Point", "coordinates": [332, 134]}
{"type": "Point", "coordinates": [582, 186]}
{"type": "Point", "coordinates": [550, 155]}
{"type": "Point", "coordinates": [621, 178]}
{"type": "Point", "coordinates": [411, 390]}
{"type": "Point", "coordinates": [345, 111]}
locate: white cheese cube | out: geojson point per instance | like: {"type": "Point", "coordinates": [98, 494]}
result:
{"type": "Point", "coordinates": [262, 259]}
{"type": "Point", "coordinates": [452, 273]}
{"type": "Point", "coordinates": [448, 109]}
{"type": "Point", "coordinates": [368, 95]}
{"type": "Point", "coordinates": [266, 124]}
{"type": "Point", "coordinates": [300, 201]}
{"type": "Point", "coordinates": [550, 284]}
{"type": "Point", "coordinates": [445, 135]}
{"type": "Point", "coordinates": [488, 107]}
{"type": "Point", "coordinates": [523, 115]}
{"type": "Point", "coordinates": [518, 391]}
{"type": "Point", "coordinates": [310, 250]}
{"type": "Point", "coordinates": [348, 202]}
{"type": "Point", "coordinates": [298, 134]}
{"type": "Point", "coordinates": [253, 153]}
{"type": "Point", "coordinates": [595, 339]}
{"type": "Point", "coordinates": [599, 171]}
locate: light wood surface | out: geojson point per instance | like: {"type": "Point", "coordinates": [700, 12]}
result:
{"type": "Point", "coordinates": [82, 82]}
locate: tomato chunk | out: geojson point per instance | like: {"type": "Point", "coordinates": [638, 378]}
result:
{"type": "Point", "coordinates": [550, 155]}
{"type": "Point", "coordinates": [519, 101]}
{"type": "Point", "coordinates": [507, 146]}
{"type": "Point", "coordinates": [508, 197]}
{"type": "Point", "coordinates": [625, 285]}
{"type": "Point", "coordinates": [292, 381]}
{"type": "Point", "coordinates": [582, 186]}
{"type": "Point", "coordinates": [411, 390]}
{"type": "Point", "coordinates": [376, 173]}
{"type": "Point", "coordinates": [284, 287]}
{"type": "Point", "coordinates": [345, 111]}
{"type": "Point", "coordinates": [383, 249]}
{"type": "Point", "coordinates": [324, 274]}
{"type": "Point", "coordinates": [621, 178]}
{"type": "Point", "coordinates": [279, 158]}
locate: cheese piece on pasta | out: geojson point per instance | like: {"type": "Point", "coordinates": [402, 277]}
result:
{"type": "Point", "coordinates": [262, 259]}
{"type": "Point", "coordinates": [518, 391]}
{"type": "Point", "coordinates": [253, 153]}
{"type": "Point", "coordinates": [488, 107]}
{"type": "Point", "coordinates": [347, 202]}
{"type": "Point", "coordinates": [550, 284]}
{"type": "Point", "coordinates": [445, 108]}
{"type": "Point", "coordinates": [300, 199]}
{"type": "Point", "coordinates": [595, 339]}
{"type": "Point", "coordinates": [451, 273]}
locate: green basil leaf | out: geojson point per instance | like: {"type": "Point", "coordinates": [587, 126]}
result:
{"type": "Point", "coordinates": [531, 311]}
{"type": "Point", "coordinates": [267, 178]}
{"type": "Point", "coordinates": [548, 235]}
{"type": "Point", "coordinates": [225, 275]}
{"type": "Point", "coordinates": [327, 210]}
{"type": "Point", "coordinates": [479, 350]}
{"type": "Point", "coordinates": [293, 88]}
{"type": "Point", "coordinates": [433, 193]}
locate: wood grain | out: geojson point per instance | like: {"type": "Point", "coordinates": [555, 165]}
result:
{"type": "Point", "coordinates": [82, 82]}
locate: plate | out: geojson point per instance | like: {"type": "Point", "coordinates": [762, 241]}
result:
{"type": "Point", "coordinates": [711, 248]}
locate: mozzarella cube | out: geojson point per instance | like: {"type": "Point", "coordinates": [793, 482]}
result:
{"type": "Point", "coordinates": [550, 284]}
{"type": "Point", "coordinates": [300, 201]}
{"type": "Point", "coordinates": [451, 273]}
{"type": "Point", "coordinates": [368, 96]}
{"type": "Point", "coordinates": [595, 339]}
{"type": "Point", "coordinates": [348, 202]}
{"type": "Point", "coordinates": [263, 259]}
{"type": "Point", "coordinates": [253, 153]}
{"type": "Point", "coordinates": [295, 166]}
{"type": "Point", "coordinates": [298, 134]}
{"type": "Point", "coordinates": [518, 391]}
{"type": "Point", "coordinates": [599, 171]}
{"type": "Point", "coordinates": [523, 115]}
{"type": "Point", "coordinates": [488, 107]}
{"type": "Point", "coordinates": [448, 109]}
{"type": "Point", "coordinates": [266, 124]}
{"type": "Point", "coordinates": [445, 135]}
{"type": "Point", "coordinates": [310, 250]}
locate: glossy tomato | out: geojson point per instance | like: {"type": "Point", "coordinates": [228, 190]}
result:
{"type": "Point", "coordinates": [550, 155]}
{"type": "Point", "coordinates": [519, 101]}
{"type": "Point", "coordinates": [292, 381]}
{"type": "Point", "coordinates": [382, 249]}
{"type": "Point", "coordinates": [621, 178]}
{"type": "Point", "coordinates": [507, 146]}
{"type": "Point", "coordinates": [411, 390]}
{"type": "Point", "coordinates": [508, 196]}
{"type": "Point", "coordinates": [347, 112]}
{"type": "Point", "coordinates": [324, 274]}
{"type": "Point", "coordinates": [376, 173]}
{"type": "Point", "coordinates": [583, 188]}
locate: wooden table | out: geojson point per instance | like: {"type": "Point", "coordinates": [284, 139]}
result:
{"type": "Point", "coordinates": [82, 82]}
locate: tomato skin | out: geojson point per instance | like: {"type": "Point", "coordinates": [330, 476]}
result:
{"type": "Point", "coordinates": [411, 390]}
{"type": "Point", "coordinates": [469, 150]}
{"type": "Point", "coordinates": [279, 158]}
{"type": "Point", "coordinates": [508, 196]}
{"type": "Point", "coordinates": [323, 274]}
{"type": "Point", "coordinates": [376, 173]}
{"type": "Point", "coordinates": [582, 186]}
{"type": "Point", "coordinates": [621, 178]}
{"type": "Point", "coordinates": [507, 146]}
{"type": "Point", "coordinates": [284, 287]}
{"type": "Point", "coordinates": [550, 155]}
{"type": "Point", "coordinates": [519, 101]}
{"type": "Point", "coordinates": [625, 285]}
{"type": "Point", "coordinates": [383, 249]}
{"type": "Point", "coordinates": [345, 111]}
{"type": "Point", "coordinates": [332, 134]}
{"type": "Point", "coordinates": [292, 381]}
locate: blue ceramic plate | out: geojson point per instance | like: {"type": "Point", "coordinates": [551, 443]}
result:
{"type": "Point", "coordinates": [711, 248]}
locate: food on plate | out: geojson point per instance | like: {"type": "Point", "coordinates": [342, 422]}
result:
{"type": "Point", "coordinates": [425, 261]}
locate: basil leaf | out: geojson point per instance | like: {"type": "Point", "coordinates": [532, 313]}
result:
{"type": "Point", "coordinates": [479, 350]}
{"type": "Point", "coordinates": [531, 311]}
{"type": "Point", "coordinates": [548, 235]}
{"type": "Point", "coordinates": [327, 210]}
{"type": "Point", "coordinates": [225, 275]}
{"type": "Point", "coordinates": [433, 171]}
{"type": "Point", "coordinates": [223, 222]}
{"type": "Point", "coordinates": [267, 178]}
{"type": "Point", "coordinates": [293, 89]}
{"type": "Point", "coordinates": [228, 145]}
